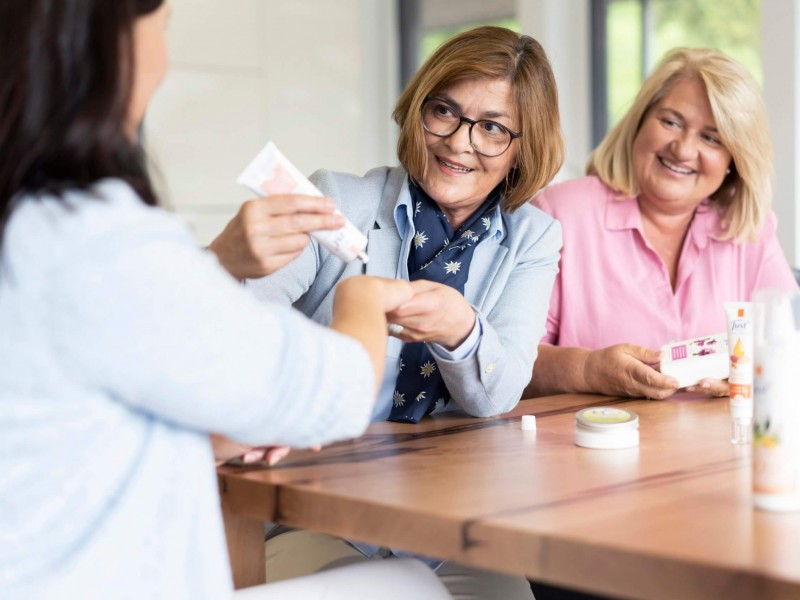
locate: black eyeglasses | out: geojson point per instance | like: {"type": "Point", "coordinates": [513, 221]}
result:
{"type": "Point", "coordinates": [442, 119]}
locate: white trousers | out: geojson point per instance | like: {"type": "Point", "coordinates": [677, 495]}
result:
{"type": "Point", "coordinates": [300, 552]}
{"type": "Point", "coordinates": [401, 579]}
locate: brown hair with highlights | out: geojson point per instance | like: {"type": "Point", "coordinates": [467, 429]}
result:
{"type": "Point", "coordinates": [491, 53]}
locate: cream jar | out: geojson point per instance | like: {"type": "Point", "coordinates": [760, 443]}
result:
{"type": "Point", "coordinates": [606, 427]}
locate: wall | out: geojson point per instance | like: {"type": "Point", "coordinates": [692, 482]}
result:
{"type": "Point", "coordinates": [780, 50]}
{"type": "Point", "coordinates": [320, 78]}
{"type": "Point", "coordinates": [316, 77]}
{"type": "Point", "coordinates": [563, 29]}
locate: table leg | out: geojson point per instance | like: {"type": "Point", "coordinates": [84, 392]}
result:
{"type": "Point", "coordinates": [246, 549]}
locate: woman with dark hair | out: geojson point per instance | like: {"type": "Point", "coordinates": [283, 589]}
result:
{"type": "Point", "coordinates": [124, 346]}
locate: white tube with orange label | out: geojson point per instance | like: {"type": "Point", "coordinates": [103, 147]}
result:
{"type": "Point", "coordinates": [740, 374]}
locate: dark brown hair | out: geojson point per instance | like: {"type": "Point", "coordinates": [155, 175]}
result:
{"type": "Point", "coordinates": [65, 84]}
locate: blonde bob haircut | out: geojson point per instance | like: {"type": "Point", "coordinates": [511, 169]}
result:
{"type": "Point", "coordinates": [741, 119]}
{"type": "Point", "coordinates": [491, 53]}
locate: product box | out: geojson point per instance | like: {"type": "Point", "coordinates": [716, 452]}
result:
{"type": "Point", "coordinates": [690, 361]}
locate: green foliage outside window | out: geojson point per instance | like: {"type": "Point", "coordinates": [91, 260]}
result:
{"type": "Point", "coordinates": [624, 38]}
{"type": "Point", "coordinates": [731, 26]}
{"type": "Point", "coordinates": [433, 38]}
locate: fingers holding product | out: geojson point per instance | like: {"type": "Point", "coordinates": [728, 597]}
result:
{"type": "Point", "coordinates": [267, 233]}
{"type": "Point", "coordinates": [717, 388]}
{"type": "Point", "coordinates": [624, 369]}
{"type": "Point", "coordinates": [270, 173]}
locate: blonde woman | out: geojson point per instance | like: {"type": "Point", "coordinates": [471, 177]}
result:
{"type": "Point", "coordinates": [672, 220]}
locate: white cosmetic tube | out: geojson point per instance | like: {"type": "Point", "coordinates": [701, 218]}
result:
{"type": "Point", "coordinates": [776, 431]}
{"type": "Point", "coordinates": [270, 172]}
{"type": "Point", "coordinates": [740, 375]}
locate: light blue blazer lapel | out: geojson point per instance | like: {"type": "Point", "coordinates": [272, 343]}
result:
{"type": "Point", "coordinates": [487, 267]}
{"type": "Point", "coordinates": [384, 252]}
{"type": "Point", "coordinates": [384, 240]}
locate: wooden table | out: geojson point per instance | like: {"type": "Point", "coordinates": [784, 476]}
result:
{"type": "Point", "coordinates": [669, 519]}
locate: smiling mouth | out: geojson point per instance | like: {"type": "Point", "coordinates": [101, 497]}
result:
{"type": "Point", "coordinates": [454, 167]}
{"type": "Point", "coordinates": [675, 168]}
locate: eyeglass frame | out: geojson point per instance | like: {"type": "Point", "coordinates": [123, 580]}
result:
{"type": "Point", "coordinates": [471, 122]}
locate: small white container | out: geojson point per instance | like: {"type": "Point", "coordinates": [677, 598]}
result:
{"type": "Point", "coordinates": [528, 422]}
{"type": "Point", "coordinates": [606, 427]}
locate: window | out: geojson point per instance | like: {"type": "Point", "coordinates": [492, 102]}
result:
{"type": "Point", "coordinates": [425, 24]}
{"type": "Point", "coordinates": [630, 36]}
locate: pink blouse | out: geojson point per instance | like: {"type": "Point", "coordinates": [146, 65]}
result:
{"type": "Point", "coordinates": [614, 288]}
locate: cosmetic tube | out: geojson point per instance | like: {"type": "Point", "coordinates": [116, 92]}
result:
{"type": "Point", "coordinates": [740, 374]}
{"type": "Point", "coordinates": [776, 422]}
{"type": "Point", "coordinates": [270, 172]}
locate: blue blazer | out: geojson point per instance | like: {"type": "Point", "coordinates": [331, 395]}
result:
{"type": "Point", "coordinates": [509, 284]}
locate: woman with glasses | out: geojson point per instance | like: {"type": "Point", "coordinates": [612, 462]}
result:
{"type": "Point", "coordinates": [479, 136]}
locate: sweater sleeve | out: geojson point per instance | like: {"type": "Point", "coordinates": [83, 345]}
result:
{"type": "Point", "coordinates": [490, 381]}
{"type": "Point", "coordinates": [139, 313]}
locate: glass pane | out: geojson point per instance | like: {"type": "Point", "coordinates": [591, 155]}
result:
{"type": "Point", "coordinates": [731, 26]}
{"type": "Point", "coordinates": [432, 38]}
{"type": "Point", "coordinates": [624, 67]}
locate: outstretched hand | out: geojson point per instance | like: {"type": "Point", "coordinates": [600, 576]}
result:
{"type": "Point", "coordinates": [437, 313]}
{"type": "Point", "coordinates": [268, 233]}
{"type": "Point", "coordinates": [226, 449]}
{"type": "Point", "coordinates": [627, 370]}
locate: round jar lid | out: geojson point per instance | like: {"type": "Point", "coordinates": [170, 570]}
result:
{"type": "Point", "coordinates": [606, 419]}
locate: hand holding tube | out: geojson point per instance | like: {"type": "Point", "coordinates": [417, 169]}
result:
{"type": "Point", "coordinates": [268, 233]}
{"type": "Point", "coordinates": [270, 173]}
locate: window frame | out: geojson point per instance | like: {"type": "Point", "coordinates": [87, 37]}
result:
{"type": "Point", "coordinates": [599, 59]}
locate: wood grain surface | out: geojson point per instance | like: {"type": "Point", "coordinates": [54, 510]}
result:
{"type": "Point", "coordinates": [672, 518]}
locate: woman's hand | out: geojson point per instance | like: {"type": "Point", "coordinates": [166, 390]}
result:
{"type": "Point", "coordinates": [387, 293]}
{"type": "Point", "coordinates": [226, 449]}
{"type": "Point", "coordinates": [627, 370]}
{"type": "Point", "coordinates": [437, 313]}
{"type": "Point", "coordinates": [396, 293]}
{"type": "Point", "coordinates": [360, 308]}
{"type": "Point", "coordinates": [268, 233]}
{"type": "Point", "coordinates": [712, 387]}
